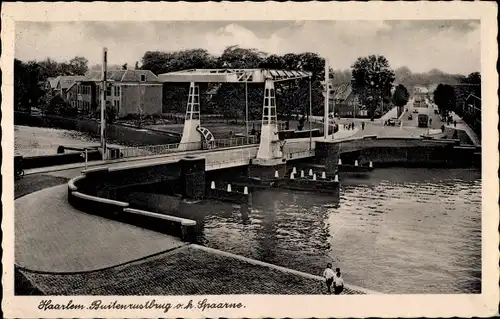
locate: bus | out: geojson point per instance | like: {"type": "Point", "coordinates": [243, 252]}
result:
{"type": "Point", "coordinates": [423, 120]}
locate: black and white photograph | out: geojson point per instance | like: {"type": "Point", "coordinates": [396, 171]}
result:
{"type": "Point", "coordinates": [227, 157]}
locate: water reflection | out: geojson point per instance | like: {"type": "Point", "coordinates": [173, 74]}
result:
{"type": "Point", "coordinates": [400, 231]}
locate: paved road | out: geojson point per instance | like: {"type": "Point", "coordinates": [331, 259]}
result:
{"type": "Point", "coordinates": [434, 120]}
{"type": "Point", "coordinates": [53, 236]}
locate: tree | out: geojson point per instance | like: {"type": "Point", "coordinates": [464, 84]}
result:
{"type": "Point", "coordinates": [474, 80]}
{"type": "Point", "coordinates": [78, 66]}
{"type": "Point", "coordinates": [444, 97]}
{"type": "Point", "coordinates": [235, 57]}
{"type": "Point", "coordinates": [28, 91]}
{"type": "Point", "coordinates": [124, 67]}
{"type": "Point", "coordinates": [372, 79]}
{"type": "Point", "coordinates": [400, 98]}
{"type": "Point", "coordinates": [48, 68]}
{"type": "Point", "coordinates": [136, 67]}
{"type": "Point", "coordinates": [57, 106]}
{"type": "Point", "coordinates": [273, 62]}
{"type": "Point", "coordinates": [163, 62]}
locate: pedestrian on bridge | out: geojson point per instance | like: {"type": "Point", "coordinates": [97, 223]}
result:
{"type": "Point", "coordinates": [362, 125]}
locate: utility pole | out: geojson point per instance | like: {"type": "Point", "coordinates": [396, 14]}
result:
{"type": "Point", "coordinates": [310, 113]}
{"type": "Point", "coordinates": [327, 98]}
{"type": "Point", "coordinates": [246, 108]}
{"type": "Point", "coordinates": [103, 103]}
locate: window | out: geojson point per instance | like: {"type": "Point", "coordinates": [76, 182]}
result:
{"type": "Point", "coordinates": [117, 91]}
{"type": "Point", "coordinates": [108, 90]}
{"type": "Point", "coordinates": [143, 77]}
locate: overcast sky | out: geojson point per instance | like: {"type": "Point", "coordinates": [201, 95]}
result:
{"type": "Point", "coordinates": [451, 46]}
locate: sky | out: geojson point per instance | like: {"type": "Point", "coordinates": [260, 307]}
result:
{"type": "Point", "coordinates": [452, 46]}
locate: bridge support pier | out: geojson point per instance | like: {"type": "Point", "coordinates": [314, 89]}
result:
{"type": "Point", "coordinates": [328, 154]}
{"type": "Point", "coordinates": [192, 179]}
{"type": "Point", "coordinates": [268, 171]}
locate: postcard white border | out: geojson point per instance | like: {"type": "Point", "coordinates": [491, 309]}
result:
{"type": "Point", "coordinates": [484, 304]}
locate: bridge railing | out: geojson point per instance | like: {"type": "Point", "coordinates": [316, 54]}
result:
{"type": "Point", "coordinates": [148, 150]}
{"type": "Point", "coordinates": [228, 159]}
{"type": "Point", "coordinates": [138, 151]}
{"type": "Point", "coordinates": [232, 142]}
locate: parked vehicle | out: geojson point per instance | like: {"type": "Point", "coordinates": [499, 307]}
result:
{"type": "Point", "coordinates": [18, 167]}
{"type": "Point", "coordinates": [410, 117]}
{"type": "Point", "coordinates": [415, 111]}
{"type": "Point", "coordinates": [391, 122]}
{"type": "Point", "coordinates": [423, 120]}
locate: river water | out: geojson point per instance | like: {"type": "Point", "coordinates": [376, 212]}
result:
{"type": "Point", "coordinates": [398, 231]}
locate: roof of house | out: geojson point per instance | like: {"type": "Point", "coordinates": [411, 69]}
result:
{"type": "Point", "coordinates": [67, 81]}
{"type": "Point", "coordinates": [53, 82]}
{"type": "Point", "coordinates": [121, 76]}
{"type": "Point", "coordinates": [472, 95]}
{"type": "Point", "coordinates": [342, 91]}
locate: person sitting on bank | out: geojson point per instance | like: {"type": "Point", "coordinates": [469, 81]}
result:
{"type": "Point", "coordinates": [328, 274]}
{"type": "Point", "coordinates": [338, 282]}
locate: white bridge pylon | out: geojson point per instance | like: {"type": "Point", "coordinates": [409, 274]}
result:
{"type": "Point", "coordinates": [190, 135]}
{"type": "Point", "coordinates": [269, 147]}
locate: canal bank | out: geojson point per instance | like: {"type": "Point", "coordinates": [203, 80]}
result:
{"type": "Point", "coordinates": [105, 183]}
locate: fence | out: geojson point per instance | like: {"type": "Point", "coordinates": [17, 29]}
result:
{"type": "Point", "coordinates": [127, 152]}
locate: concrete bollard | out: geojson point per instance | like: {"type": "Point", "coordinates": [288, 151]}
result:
{"type": "Point", "coordinates": [229, 188]}
{"type": "Point", "coordinates": [294, 171]}
{"type": "Point", "coordinates": [323, 175]}
{"type": "Point", "coordinates": [292, 176]}
{"type": "Point", "coordinates": [340, 161]}
{"type": "Point", "coordinates": [336, 179]}
{"type": "Point", "coordinates": [356, 163]}
{"type": "Point", "coordinates": [212, 185]}
{"type": "Point", "coordinates": [245, 190]}
{"type": "Point", "coordinates": [302, 174]}
{"type": "Point", "coordinates": [310, 172]}
{"type": "Point", "coordinates": [314, 177]}
{"type": "Point", "coordinates": [276, 174]}
{"type": "Point", "coordinates": [371, 164]}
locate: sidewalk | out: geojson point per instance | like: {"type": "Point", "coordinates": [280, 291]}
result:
{"type": "Point", "coordinates": [190, 270]}
{"type": "Point", "coordinates": [461, 125]}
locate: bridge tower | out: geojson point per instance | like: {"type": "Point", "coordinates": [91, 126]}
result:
{"type": "Point", "coordinates": [269, 156]}
{"type": "Point", "coordinates": [190, 132]}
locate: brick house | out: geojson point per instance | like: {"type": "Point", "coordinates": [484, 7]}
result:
{"type": "Point", "coordinates": [128, 91]}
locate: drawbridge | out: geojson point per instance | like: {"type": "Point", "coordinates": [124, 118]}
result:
{"type": "Point", "coordinates": [194, 134]}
